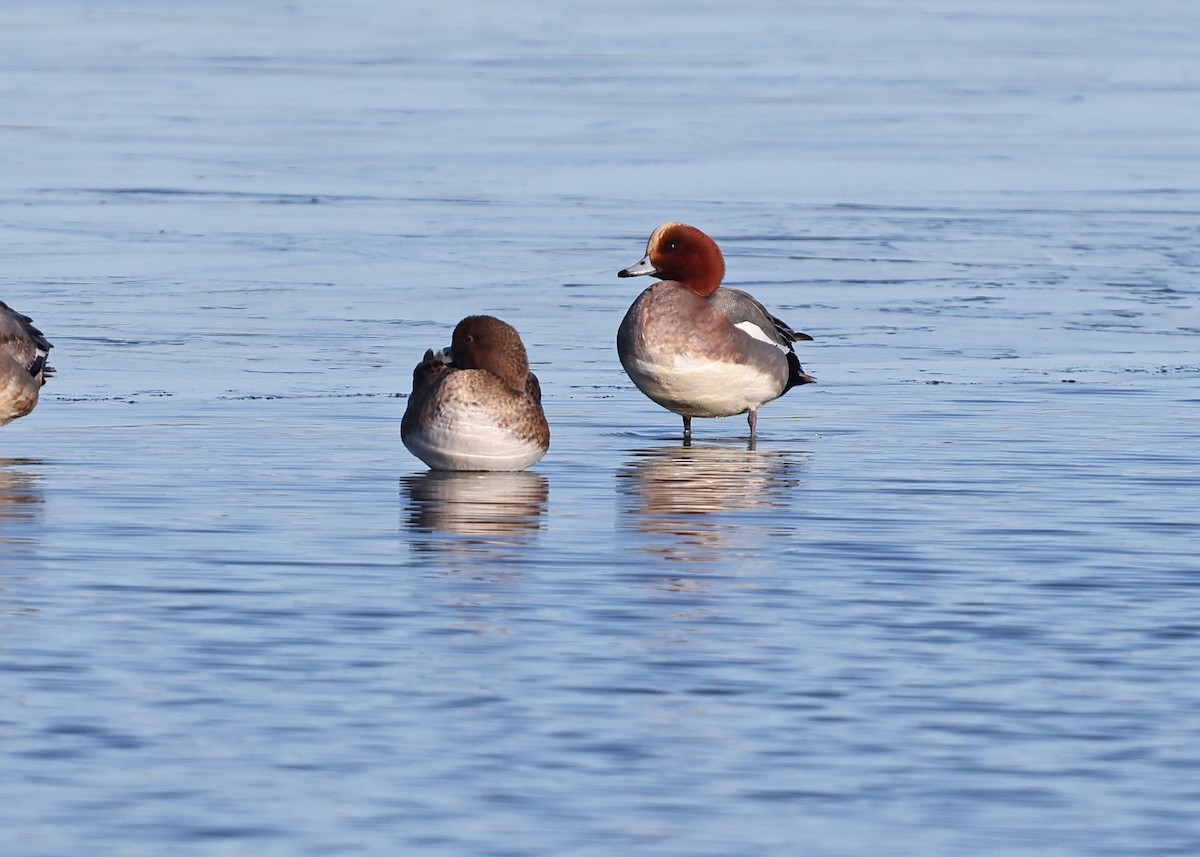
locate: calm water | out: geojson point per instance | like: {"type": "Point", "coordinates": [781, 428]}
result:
{"type": "Point", "coordinates": [948, 606]}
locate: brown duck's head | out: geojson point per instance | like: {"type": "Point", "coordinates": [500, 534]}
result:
{"type": "Point", "coordinates": [684, 254]}
{"type": "Point", "coordinates": [486, 342]}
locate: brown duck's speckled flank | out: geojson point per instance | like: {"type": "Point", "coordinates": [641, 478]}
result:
{"type": "Point", "coordinates": [23, 369]}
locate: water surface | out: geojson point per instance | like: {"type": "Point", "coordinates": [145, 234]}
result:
{"type": "Point", "coordinates": [947, 606]}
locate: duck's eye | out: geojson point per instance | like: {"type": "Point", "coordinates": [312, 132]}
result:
{"type": "Point", "coordinates": [672, 246]}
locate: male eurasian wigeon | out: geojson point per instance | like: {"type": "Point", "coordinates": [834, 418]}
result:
{"type": "Point", "coordinates": [695, 348]}
{"type": "Point", "coordinates": [476, 407]}
{"type": "Point", "coordinates": [23, 369]}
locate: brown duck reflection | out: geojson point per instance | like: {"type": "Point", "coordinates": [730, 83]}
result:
{"type": "Point", "coordinates": [678, 495]}
{"type": "Point", "coordinates": [488, 507]}
{"type": "Point", "coordinates": [20, 500]}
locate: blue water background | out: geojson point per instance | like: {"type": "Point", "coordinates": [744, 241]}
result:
{"type": "Point", "coordinates": [948, 606]}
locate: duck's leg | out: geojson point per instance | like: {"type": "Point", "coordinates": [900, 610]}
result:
{"type": "Point", "coordinates": [752, 418]}
{"type": "Point", "coordinates": [687, 428]}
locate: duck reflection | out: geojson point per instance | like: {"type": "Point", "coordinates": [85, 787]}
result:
{"type": "Point", "coordinates": [20, 500]}
{"type": "Point", "coordinates": [483, 508]}
{"type": "Point", "coordinates": [676, 495]}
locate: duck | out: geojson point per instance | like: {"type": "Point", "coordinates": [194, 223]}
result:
{"type": "Point", "coordinates": [476, 405]}
{"type": "Point", "coordinates": [23, 368]}
{"type": "Point", "coordinates": [697, 348]}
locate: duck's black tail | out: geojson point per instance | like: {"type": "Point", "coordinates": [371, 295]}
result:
{"type": "Point", "coordinates": [796, 373]}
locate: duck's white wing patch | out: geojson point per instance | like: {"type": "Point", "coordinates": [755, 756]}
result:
{"type": "Point", "coordinates": [755, 331]}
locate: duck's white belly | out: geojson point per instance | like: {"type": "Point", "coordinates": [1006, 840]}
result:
{"type": "Point", "coordinates": [468, 441]}
{"type": "Point", "coordinates": [695, 387]}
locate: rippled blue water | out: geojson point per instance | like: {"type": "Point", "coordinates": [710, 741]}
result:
{"type": "Point", "coordinates": [947, 606]}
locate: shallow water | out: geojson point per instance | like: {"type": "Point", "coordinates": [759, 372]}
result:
{"type": "Point", "coordinates": [947, 606]}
